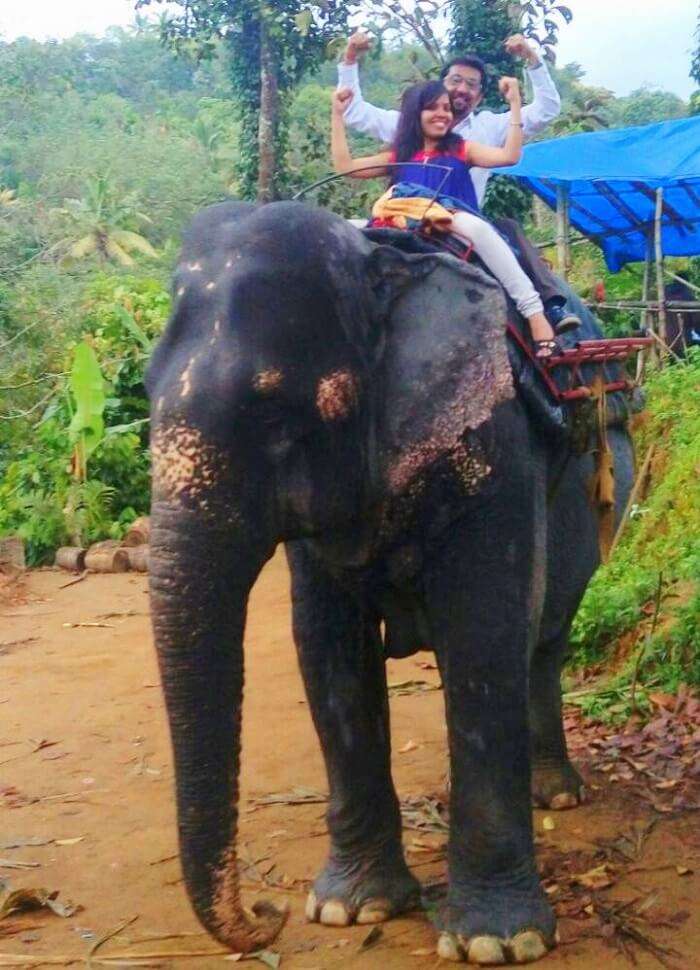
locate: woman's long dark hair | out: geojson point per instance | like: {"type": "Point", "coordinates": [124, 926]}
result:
{"type": "Point", "coordinates": [409, 136]}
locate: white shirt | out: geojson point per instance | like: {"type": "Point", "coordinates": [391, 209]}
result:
{"type": "Point", "coordinates": [485, 127]}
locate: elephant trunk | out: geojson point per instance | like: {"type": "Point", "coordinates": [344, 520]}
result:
{"type": "Point", "coordinates": [201, 576]}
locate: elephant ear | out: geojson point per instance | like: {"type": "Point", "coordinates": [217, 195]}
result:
{"type": "Point", "coordinates": [390, 272]}
{"type": "Point", "coordinates": [445, 371]}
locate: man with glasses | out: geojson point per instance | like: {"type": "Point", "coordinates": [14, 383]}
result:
{"type": "Point", "coordinates": [464, 77]}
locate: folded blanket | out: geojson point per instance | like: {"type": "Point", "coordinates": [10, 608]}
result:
{"type": "Point", "coordinates": [402, 210]}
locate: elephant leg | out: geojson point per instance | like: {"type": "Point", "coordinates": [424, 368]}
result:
{"type": "Point", "coordinates": [555, 782]}
{"type": "Point", "coordinates": [480, 597]}
{"type": "Point", "coordinates": [365, 879]}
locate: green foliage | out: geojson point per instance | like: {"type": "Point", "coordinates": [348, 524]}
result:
{"type": "Point", "coordinates": [644, 107]}
{"type": "Point", "coordinates": [662, 539]}
{"type": "Point", "coordinates": [584, 108]}
{"type": "Point", "coordinates": [481, 27]}
{"type": "Point", "coordinates": [695, 62]}
{"type": "Point", "coordinates": [290, 36]}
{"type": "Point", "coordinates": [87, 426]}
{"type": "Point", "coordinates": [46, 494]}
{"type": "Point", "coordinates": [505, 197]}
{"type": "Point", "coordinates": [103, 224]}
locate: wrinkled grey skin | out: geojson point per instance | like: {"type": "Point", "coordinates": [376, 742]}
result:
{"type": "Point", "coordinates": [357, 404]}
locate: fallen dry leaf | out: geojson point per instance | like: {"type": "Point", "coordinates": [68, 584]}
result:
{"type": "Point", "coordinates": [17, 864]}
{"type": "Point", "coordinates": [372, 938]}
{"type": "Point", "coordinates": [75, 625]}
{"type": "Point", "coordinates": [597, 878]}
{"type": "Point", "coordinates": [409, 746]}
{"type": "Point", "coordinates": [548, 823]}
{"type": "Point", "coordinates": [43, 743]}
{"type": "Point", "coordinates": [19, 842]}
{"type": "Point", "coordinates": [19, 900]}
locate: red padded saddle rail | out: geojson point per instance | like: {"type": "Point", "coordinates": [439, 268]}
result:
{"type": "Point", "coordinates": [603, 351]}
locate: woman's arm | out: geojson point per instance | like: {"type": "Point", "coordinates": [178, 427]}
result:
{"type": "Point", "coordinates": [343, 162]}
{"type": "Point", "coordinates": [485, 156]}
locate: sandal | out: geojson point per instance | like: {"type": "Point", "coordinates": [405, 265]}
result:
{"type": "Point", "coordinates": [544, 349]}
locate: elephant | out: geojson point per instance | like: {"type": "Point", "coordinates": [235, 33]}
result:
{"type": "Point", "coordinates": [356, 403]}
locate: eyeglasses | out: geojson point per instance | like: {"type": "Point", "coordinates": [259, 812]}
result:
{"type": "Point", "coordinates": [469, 83]}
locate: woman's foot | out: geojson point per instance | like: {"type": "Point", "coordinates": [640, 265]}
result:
{"type": "Point", "coordinates": [544, 349]}
{"type": "Point", "coordinates": [543, 337]}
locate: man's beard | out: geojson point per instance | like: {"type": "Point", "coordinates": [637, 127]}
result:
{"type": "Point", "coordinates": [461, 107]}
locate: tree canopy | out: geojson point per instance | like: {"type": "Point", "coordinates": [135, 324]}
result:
{"type": "Point", "coordinates": [272, 44]}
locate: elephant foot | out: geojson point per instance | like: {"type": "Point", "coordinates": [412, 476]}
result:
{"type": "Point", "coordinates": [356, 891]}
{"type": "Point", "coordinates": [557, 786]}
{"type": "Point", "coordinates": [490, 951]}
{"type": "Point", "coordinates": [495, 929]}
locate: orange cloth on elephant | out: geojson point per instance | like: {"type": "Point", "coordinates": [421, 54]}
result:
{"type": "Point", "coordinates": [397, 212]}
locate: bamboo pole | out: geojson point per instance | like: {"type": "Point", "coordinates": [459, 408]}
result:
{"type": "Point", "coordinates": [563, 230]}
{"type": "Point", "coordinates": [658, 247]}
{"type": "Point", "coordinates": [680, 279]}
{"type": "Point", "coordinates": [635, 494]}
{"type": "Point", "coordinates": [644, 321]}
{"type": "Point", "coordinates": [652, 306]}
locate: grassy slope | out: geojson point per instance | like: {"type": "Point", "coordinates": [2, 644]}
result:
{"type": "Point", "coordinates": [658, 558]}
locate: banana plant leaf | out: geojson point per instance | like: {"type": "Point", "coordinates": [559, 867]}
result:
{"type": "Point", "coordinates": [87, 389]}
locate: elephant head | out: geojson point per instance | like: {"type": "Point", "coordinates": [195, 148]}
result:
{"type": "Point", "coordinates": [295, 387]}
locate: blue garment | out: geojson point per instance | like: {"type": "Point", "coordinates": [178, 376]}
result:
{"type": "Point", "coordinates": [423, 170]}
{"type": "Point", "coordinates": [612, 177]}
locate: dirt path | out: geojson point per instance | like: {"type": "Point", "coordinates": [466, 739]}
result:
{"type": "Point", "coordinates": [85, 760]}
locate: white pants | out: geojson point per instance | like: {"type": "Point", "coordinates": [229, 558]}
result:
{"type": "Point", "coordinates": [499, 258]}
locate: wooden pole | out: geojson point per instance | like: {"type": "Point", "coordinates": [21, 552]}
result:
{"type": "Point", "coordinates": [563, 230]}
{"type": "Point", "coordinates": [646, 316]}
{"type": "Point", "coordinates": [634, 495]}
{"type": "Point", "coordinates": [658, 247]}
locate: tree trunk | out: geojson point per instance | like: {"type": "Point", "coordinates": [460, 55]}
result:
{"type": "Point", "coordinates": [269, 116]}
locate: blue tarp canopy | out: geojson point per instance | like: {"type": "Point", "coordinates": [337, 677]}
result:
{"type": "Point", "coordinates": [612, 177]}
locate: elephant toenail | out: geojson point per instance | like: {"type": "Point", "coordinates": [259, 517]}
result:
{"type": "Point", "coordinates": [449, 949]}
{"type": "Point", "coordinates": [335, 913]}
{"type": "Point", "coordinates": [486, 951]}
{"type": "Point", "coordinates": [528, 946]}
{"type": "Point", "coordinates": [311, 910]}
{"type": "Point", "coordinates": [374, 911]}
{"type": "Point", "coordinates": [563, 800]}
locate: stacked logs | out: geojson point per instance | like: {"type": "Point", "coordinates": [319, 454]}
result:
{"type": "Point", "coordinates": [136, 546]}
{"type": "Point", "coordinates": [110, 555]}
